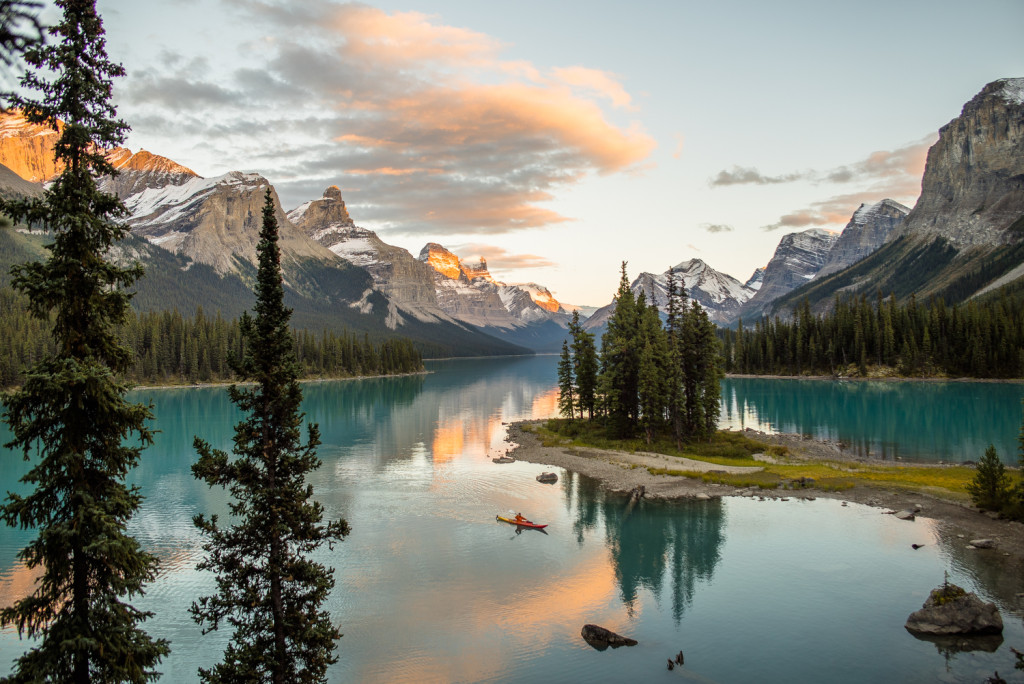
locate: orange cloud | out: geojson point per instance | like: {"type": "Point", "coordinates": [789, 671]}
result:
{"type": "Point", "coordinates": [409, 37]}
{"type": "Point", "coordinates": [426, 121]}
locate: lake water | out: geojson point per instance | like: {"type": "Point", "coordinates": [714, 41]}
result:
{"type": "Point", "coordinates": [431, 588]}
{"type": "Point", "coordinates": [909, 420]}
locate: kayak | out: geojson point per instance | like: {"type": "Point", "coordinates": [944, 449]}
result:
{"type": "Point", "coordinates": [520, 523]}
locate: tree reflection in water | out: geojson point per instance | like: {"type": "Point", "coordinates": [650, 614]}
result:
{"type": "Point", "coordinates": [651, 543]}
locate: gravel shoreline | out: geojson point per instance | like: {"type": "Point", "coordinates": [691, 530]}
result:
{"type": "Point", "coordinates": [620, 472]}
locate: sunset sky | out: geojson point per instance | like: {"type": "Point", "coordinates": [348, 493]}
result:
{"type": "Point", "coordinates": [559, 138]}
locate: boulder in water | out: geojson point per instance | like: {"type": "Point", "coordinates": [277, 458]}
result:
{"type": "Point", "coordinates": [601, 638]}
{"type": "Point", "coordinates": [951, 610]}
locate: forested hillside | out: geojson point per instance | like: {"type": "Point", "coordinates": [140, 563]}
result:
{"type": "Point", "coordinates": [982, 338]}
{"type": "Point", "coordinates": [172, 348]}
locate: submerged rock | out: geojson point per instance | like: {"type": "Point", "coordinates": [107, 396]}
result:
{"type": "Point", "coordinates": [601, 638]}
{"type": "Point", "coordinates": [951, 610]}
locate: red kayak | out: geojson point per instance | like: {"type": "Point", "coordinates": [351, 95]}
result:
{"type": "Point", "coordinates": [521, 523]}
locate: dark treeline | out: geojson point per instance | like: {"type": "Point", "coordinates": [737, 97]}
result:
{"type": "Point", "coordinates": [982, 339]}
{"type": "Point", "coordinates": [171, 348]}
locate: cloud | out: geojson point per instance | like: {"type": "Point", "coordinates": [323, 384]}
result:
{"type": "Point", "coordinates": [894, 174]}
{"type": "Point", "coordinates": [423, 125]}
{"type": "Point", "coordinates": [717, 227]}
{"type": "Point", "coordinates": [499, 258]}
{"type": "Point", "coordinates": [599, 82]}
{"type": "Point", "coordinates": [900, 164]}
{"type": "Point", "coordinates": [839, 209]}
{"type": "Point", "coordinates": [750, 176]}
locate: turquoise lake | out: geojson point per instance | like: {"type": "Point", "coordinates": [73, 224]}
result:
{"type": "Point", "coordinates": [430, 588]}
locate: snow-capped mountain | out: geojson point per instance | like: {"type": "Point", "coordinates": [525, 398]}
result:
{"type": "Point", "coordinates": [797, 259]}
{"type": "Point", "coordinates": [756, 279]}
{"type": "Point", "coordinates": [408, 282]}
{"type": "Point", "coordinates": [718, 293]}
{"type": "Point", "coordinates": [467, 292]}
{"type": "Point", "coordinates": [964, 235]}
{"type": "Point", "coordinates": [869, 228]}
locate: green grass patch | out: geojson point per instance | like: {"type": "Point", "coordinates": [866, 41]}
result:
{"type": "Point", "coordinates": [729, 448]}
{"type": "Point", "coordinates": [735, 447]}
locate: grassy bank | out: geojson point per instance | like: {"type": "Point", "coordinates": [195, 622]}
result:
{"type": "Point", "coordinates": [788, 471]}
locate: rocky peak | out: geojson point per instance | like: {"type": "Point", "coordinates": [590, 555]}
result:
{"type": "Point", "coordinates": [406, 281]}
{"type": "Point", "coordinates": [122, 159]}
{"type": "Point", "coordinates": [477, 270]}
{"type": "Point", "coordinates": [973, 185]}
{"type": "Point", "coordinates": [142, 170]}
{"type": "Point", "coordinates": [326, 220]}
{"type": "Point", "coordinates": [755, 280]}
{"type": "Point", "coordinates": [542, 297]}
{"type": "Point", "coordinates": [441, 260]}
{"type": "Point", "coordinates": [868, 229]}
{"type": "Point", "coordinates": [797, 259]}
{"type": "Point", "coordinates": [719, 294]}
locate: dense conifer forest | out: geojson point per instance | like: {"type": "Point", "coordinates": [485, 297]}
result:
{"type": "Point", "coordinates": [982, 338]}
{"type": "Point", "coordinates": [170, 348]}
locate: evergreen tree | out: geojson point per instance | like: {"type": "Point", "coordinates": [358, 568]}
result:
{"type": "Point", "coordinates": [566, 398]}
{"type": "Point", "coordinates": [620, 360]}
{"type": "Point", "coordinates": [709, 370]}
{"type": "Point", "coordinates": [269, 590]}
{"type": "Point", "coordinates": [990, 488]}
{"type": "Point", "coordinates": [675, 323]}
{"type": "Point", "coordinates": [585, 366]}
{"type": "Point", "coordinates": [71, 410]}
{"type": "Point", "coordinates": [652, 386]}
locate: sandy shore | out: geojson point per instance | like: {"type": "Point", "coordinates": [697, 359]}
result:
{"type": "Point", "coordinates": [621, 471]}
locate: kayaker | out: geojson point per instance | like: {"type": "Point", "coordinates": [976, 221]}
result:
{"type": "Point", "coordinates": [520, 518]}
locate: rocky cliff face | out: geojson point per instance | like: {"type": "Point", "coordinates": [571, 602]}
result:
{"type": "Point", "coordinates": [868, 229]}
{"type": "Point", "coordinates": [797, 259]}
{"type": "Point", "coordinates": [215, 221]}
{"type": "Point", "coordinates": [143, 171]}
{"type": "Point", "coordinates": [719, 294]}
{"type": "Point", "coordinates": [27, 149]}
{"type": "Point", "coordinates": [468, 292]}
{"type": "Point", "coordinates": [965, 234]}
{"type": "Point", "coordinates": [973, 185]}
{"type": "Point", "coordinates": [405, 280]}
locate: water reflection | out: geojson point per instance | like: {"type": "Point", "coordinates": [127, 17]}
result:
{"type": "Point", "coordinates": [951, 421]}
{"type": "Point", "coordinates": [653, 543]}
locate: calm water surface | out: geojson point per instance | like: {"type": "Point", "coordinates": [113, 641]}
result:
{"type": "Point", "coordinates": [948, 421]}
{"type": "Point", "coordinates": [431, 588]}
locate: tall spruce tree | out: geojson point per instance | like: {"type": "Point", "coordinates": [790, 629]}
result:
{"type": "Point", "coordinates": [566, 393]}
{"type": "Point", "coordinates": [269, 589]}
{"type": "Point", "coordinates": [585, 366]}
{"type": "Point", "coordinates": [620, 360]}
{"type": "Point", "coordinates": [674, 374]}
{"type": "Point", "coordinates": [71, 411]}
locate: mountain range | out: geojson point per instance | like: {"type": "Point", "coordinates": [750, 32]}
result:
{"type": "Point", "coordinates": [197, 236]}
{"type": "Point", "coordinates": [201, 234]}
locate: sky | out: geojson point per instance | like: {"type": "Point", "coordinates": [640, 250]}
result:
{"type": "Point", "coordinates": [559, 139]}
